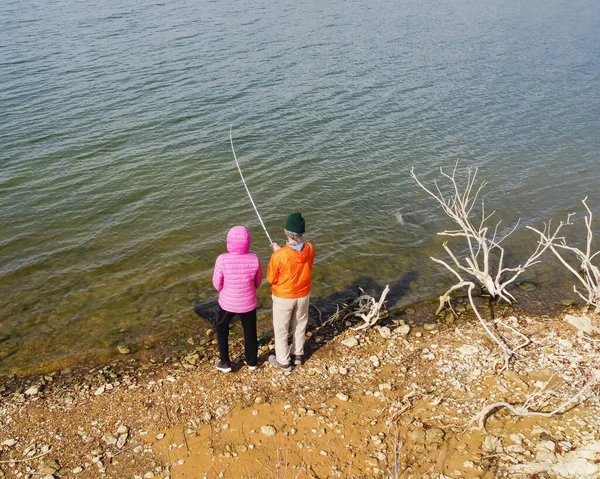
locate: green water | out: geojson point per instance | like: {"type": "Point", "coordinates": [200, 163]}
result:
{"type": "Point", "coordinates": [117, 185]}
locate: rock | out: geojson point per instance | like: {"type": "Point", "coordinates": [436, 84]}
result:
{"type": "Point", "coordinates": [341, 396]}
{"type": "Point", "coordinates": [206, 417]}
{"type": "Point", "coordinates": [123, 349]}
{"type": "Point", "coordinates": [530, 468]}
{"type": "Point", "coordinates": [343, 371]}
{"type": "Point", "coordinates": [32, 391]}
{"type": "Point", "coordinates": [160, 436]}
{"type": "Point", "coordinates": [434, 435]}
{"type": "Point", "coordinates": [385, 332]}
{"type": "Point", "coordinates": [582, 323]}
{"type": "Point", "coordinates": [109, 439]}
{"type": "Point", "coordinates": [527, 286]}
{"type": "Point", "coordinates": [409, 311]}
{"type": "Point", "coordinates": [49, 476]}
{"type": "Point", "coordinates": [209, 332]}
{"type": "Point", "coordinates": [149, 475]}
{"type": "Point", "coordinates": [579, 468]}
{"type": "Point", "coordinates": [374, 360]}
{"type": "Point", "coordinates": [323, 453]}
{"type": "Point", "coordinates": [122, 440]}
{"type": "Point", "coordinates": [491, 444]}
{"type": "Point", "coordinates": [468, 349]}
{"type": "Point", "coordinates": [350, 342]}
{"type": "Point", "coordinates": [9, 442]}
{"type": "Point", "coordinates": [403, 330]}
{"type": "Point", "coordinates": [268, 431]}
{"type": "Point", "coordinates": [99, 391]}
{"type": "Point", "coordinates": [123, 429]}
{"type": "Point", "coordinates": [429, 326]}
{"type": "Point", "coordinates": [77, 470]}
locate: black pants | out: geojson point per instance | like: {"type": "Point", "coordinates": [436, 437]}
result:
{"type": "Point", "coordinates": [250, 338]}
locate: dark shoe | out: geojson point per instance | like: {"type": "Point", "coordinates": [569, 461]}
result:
{"type": "Point", "coordinates": [273, 361]}
{"type": "Point", "coordinates": [298, 360]}
{"type": "Point", "coordinates": [224, 367]}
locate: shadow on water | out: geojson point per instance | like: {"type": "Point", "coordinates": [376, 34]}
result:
{"type": "Point", "coordinates": [320, 331]}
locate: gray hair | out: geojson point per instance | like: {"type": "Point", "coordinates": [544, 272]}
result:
{"type": "Point", "coordinates": [294, 236]}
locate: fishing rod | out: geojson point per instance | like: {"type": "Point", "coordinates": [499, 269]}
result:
{"type": "Point", "coordinates": [246, 186]}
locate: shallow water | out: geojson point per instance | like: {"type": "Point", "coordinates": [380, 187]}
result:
{"type": "Point", "coordinates": [117, 185]}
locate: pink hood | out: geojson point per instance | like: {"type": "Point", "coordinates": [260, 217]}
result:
{"type": "Point", "coordinates": [239, 240]}
{"type": "Point", "coordinates": [237, 273]}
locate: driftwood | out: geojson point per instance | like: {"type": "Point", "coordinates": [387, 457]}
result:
{"type": "Point", "coordinates": [483, 262]}
{"type": "Point", "coordinates": [577, 261]}
{"type": "Point", "coordinates": [365, 307]}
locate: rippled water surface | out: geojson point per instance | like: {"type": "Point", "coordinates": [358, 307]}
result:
{"type": "Point", "coordinates": [117, 185]}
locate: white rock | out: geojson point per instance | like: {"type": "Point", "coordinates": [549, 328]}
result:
{"type": "Point", "coordinates": [547, 445]}
{"type": "Point", "coordinates": [122, 440]}
{"type": "Point", "coordinates": [468, 349]}
{"type": "Point", "coordinates": [491, 444]}
{"type": "Point", "coordinates": [374, 360]}
{"type": "Point", "coordinates": [149, 475]}
{"type": "Point", "coordinates": [48, 476]}
{"type": "Point", "coordinates": [77, 470]}
{"type": "Point", "coordinates": [578, 469]}
{"type": "Point", "coordinates": [350, 342]}
{"type": "Point", "coordinates": [160, 436]}
{"type": "Point", "coordinates": [343, 371]}
{"type": "Point", "coordinates": [32, 391]}
{"type": "Point", "coordinates": [530, 468]}
{"type": "Point", "coordinates": [122, 429]}
{"type": "Point", "coordinates": [268, 431]}
{"type": "Point", "coordinates": [109, 439]}
{"type": "Point", "coordinates": [582, 323]}
{"type": "Point", "coordinates": [9, 442]}
{"type": "Point", "coordinates": [99, 391]}
{"type": "Point", "coordinates": [342, 396]}
{"type": "Point", "coordinates": [385, 332]}
{"type": "Point", "coordinates": [403, 330]}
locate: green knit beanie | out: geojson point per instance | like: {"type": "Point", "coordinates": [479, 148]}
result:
{"type": "Point", "coordinates": [295, 223]}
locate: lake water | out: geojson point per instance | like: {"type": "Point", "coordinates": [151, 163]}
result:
{"type": "Point", "coordinates": [117, 185]}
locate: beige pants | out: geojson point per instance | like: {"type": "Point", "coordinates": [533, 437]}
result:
{"type": "Point", "coordinates": [289, 313]}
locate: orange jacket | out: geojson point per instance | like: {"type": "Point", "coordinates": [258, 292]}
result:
{"type": "Point", "coordinates": [289, 271]}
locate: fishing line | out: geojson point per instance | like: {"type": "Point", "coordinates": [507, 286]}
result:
{"type": "Point", "coordinates": [246, 186]}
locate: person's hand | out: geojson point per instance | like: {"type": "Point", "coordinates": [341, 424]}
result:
{"type": "Point", "coordinates": [275, 247]}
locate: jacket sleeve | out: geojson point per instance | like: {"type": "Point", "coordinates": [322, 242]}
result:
{"type": "Point", "coordinates": [273, 270]}
{"type": "Point", "coordinates": [218, 277]}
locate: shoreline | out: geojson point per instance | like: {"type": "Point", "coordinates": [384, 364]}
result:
{"type": "Point", "coordinates": [353, 382]}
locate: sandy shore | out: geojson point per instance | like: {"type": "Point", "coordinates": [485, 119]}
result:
{"type": "Point", "coordinates": [393, 401]}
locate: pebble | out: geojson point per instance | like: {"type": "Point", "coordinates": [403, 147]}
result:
{"type": "Point", "coordinates": [255, 412]}
{"type": "Point", "coordinates": [32, 391]}
{"type": "Point", "coordinates": [342, 396]}
{"type": "Point", "coordinates": [9, 442]}
{"type": "Point", "coordinates": [323, 453]}
{"type": "Point", "coordinates": [99, 391]}
{"type": "Point", "coordinates": [160, 436]}
{"type": "Point", "coordinates": [122, 440]}
{"type": "Point", "coordinates": [123, 429]}
{"type": "Point", "coordinates": [385, 332]}
{"type": "Point", "coordinates": [209, 332]}
{"type": "Point", "coordinates": [350, 342]}
{"type": "Point", "coordinates": [429, 326]}
{"type": "Point", "coordinates": [123, 349]}
{"type": "Point", "coordinates": [109, 439]}
{"type": "Point", "coordinates": [343, 371]}
{"type": "Point", "coordinates": [77, 470]}
{"type": "Point", "coordinates": [374, 360]}
{"type": "Point", "coordinates": [268, 431]}
{"type": "Point", "coordinates": [403, 330]}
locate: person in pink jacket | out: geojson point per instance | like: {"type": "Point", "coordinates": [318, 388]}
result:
{"type": "Point", "coordinates": [236, 276]}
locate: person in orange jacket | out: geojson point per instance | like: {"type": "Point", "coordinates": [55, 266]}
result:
{"type": "Point", "coordinates": [289, 273]}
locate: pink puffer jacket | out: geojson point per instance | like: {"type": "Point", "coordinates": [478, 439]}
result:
{"type": "Point", "coordinates": [237, 273]}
